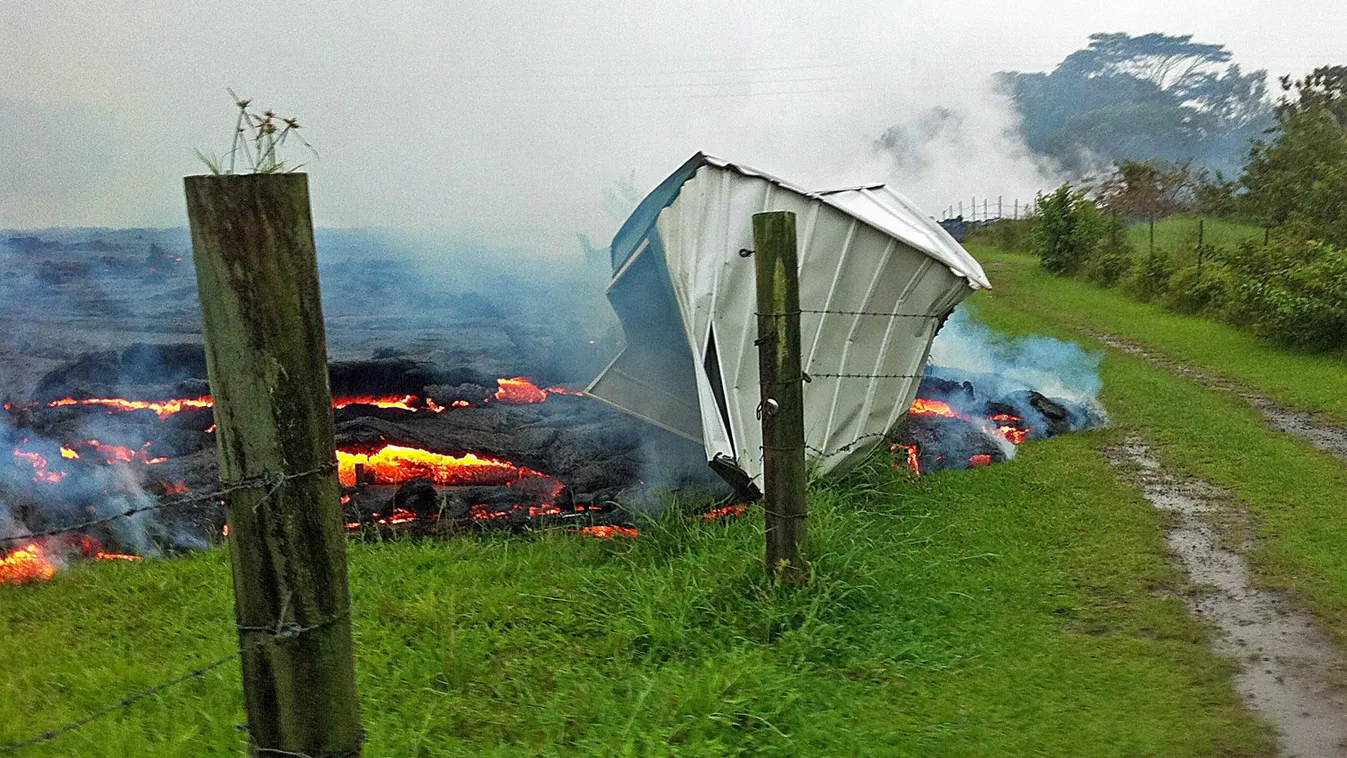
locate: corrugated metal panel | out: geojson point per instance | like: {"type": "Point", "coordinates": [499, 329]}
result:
{"type": "Point", "coordinates": [863, 251]}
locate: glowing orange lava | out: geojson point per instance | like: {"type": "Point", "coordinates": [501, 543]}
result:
{"type": "Point", "coordinates": [395, 464]}
{"type": "Point", "coordinates": [402, 402]}
{"type": "Point", "coordinates": [1005, 425]}
{"type": "Point", "coordinates": [26, 564]}
{"type": "Point", "coordinates": [162, 408]}
{"type": "Point", "coordinates": [113, 454]}
{"type": "Point", "coordinates": [39, 561]}
{"type": "Point", "coordinates": [609, 532]}
{"type": "Point", "coordinates": [923, 407]}
{"type": "Point", "coordinates": [913, 461]}
{"type": "Point", "coordinates": [728, 511]}
{"type": "Point", "coordinates": [519, 391]}
{"type": "Point", "coordinates": [41, 474]}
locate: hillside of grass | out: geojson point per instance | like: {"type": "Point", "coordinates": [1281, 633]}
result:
{"type": "Point", "coordinates": [1179, 233]}
{"type": "Point", "coordinates": [1292, 492]}
{"type": "Point", "coordinates": [1316, 382]}
{"type": "Point", "coordinates": [1020, 609]}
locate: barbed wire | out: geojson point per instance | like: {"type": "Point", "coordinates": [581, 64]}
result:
{"type": "Point", "coordinates": [847, 447]}
{"type": "Point", "coordinates": [271, 480]}
{"type": "Point", "coordinates": [885, 314]}
{"type": "Point", "coordinates": [282, 632]}
{"type": "Point", "coordinates": [867, 376]}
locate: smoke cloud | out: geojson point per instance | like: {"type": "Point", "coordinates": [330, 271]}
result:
{"type": "Point", "coordinates": [1008, 364]}
{"type": "Point", "coordinates": [505, 123]}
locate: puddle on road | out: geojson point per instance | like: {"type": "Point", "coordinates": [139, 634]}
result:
{"type": "Point", "coordinates": [1319, 431]}
{"type": "Point", "coordinates": [1290, 672]}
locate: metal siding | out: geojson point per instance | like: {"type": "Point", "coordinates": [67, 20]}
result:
{"type": "Point", "coordinates": [863, 249]}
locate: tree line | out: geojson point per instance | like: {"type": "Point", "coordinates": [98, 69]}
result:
{"type": "Point", "coordinates": [1288, 284]}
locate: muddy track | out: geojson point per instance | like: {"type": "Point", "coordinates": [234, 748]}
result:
{"type": "Point", "coordinates": [1291, 674]}
{"type": "Point", "coordinates": [1317, 429]}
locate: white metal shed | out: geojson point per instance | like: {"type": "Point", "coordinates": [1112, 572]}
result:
{"type": "Point", "coordinates": [877, 279]}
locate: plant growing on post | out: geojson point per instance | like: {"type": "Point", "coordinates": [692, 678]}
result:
{"type": "Point", "coordinates": [258, 137]}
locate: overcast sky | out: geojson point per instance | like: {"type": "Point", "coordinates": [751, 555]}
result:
{"type": "Point", "coordinates": [506, 122]}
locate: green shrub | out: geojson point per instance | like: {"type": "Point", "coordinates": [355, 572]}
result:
{"type": "Point", "coordinates": [1150, 275]}
{"type": "Point", "coordinates": [1294, 320]}
{"type": "Point", "coordinates": [1007, 234]}
{"type": "Point", "coordinates": [1111, 259]}
{"type": "Point", "coordinates": [1066, 230]}
{"type": "Point", "coordinates": [1194, 290]}
{"type": "Point", "coordinates": [1291, 292]}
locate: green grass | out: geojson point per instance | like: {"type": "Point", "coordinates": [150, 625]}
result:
{"type": "Point", "coordinates": [1311, 381]}
{"type": "Point", "coordinates": [1020, 609]}
{"type": "Point", "coordinates": [1294, 492]}
{"type": "Point", "coordinates": [1179, 233]}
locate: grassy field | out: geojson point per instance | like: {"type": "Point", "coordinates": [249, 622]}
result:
{"type": "Point", "coordinates": [1294, 492]}
{"type": "Point", "coordinates": [1309, 381]}
{"type": "Point", "coordinates": [1180, 233]}
{"type": "Point", "coordinates": [1020, 609]}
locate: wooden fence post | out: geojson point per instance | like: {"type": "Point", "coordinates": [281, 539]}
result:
{"type": "Point", "coordinates": [782, 393]}
{"type": "Point", "coordinates": [257, 276]}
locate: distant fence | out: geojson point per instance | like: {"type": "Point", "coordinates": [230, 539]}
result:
{"type": "Point", "coordinates": [979, 209]}
{"type": "Point", "coordinates": [959, 218]}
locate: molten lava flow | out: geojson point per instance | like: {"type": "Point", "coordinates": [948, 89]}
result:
{"type": "Point", "coordinates": [521, 390]}
{"type": "Point", "coordinates": [1005, 425]}
{"type": "Point", "coordinates": [728, 511]}
{"type": "Point", "coordinates": [913, 461]}
{"type": "Point", "coordinates": [923, 407]}
{"type": "Point", "coordinates": [402, 402]}
{"type": "Point", "coordinates": [113, 454]}
{"type": "Point", "coordinates": [101, 556]}
{"type": "Point", "coordinates": [37, 561]}
{"type": "Point", "coordinates": [26, 564]}
{"type": "Point", "coordinates": [162, 408]}
{"type": "Point", "coordinates": [41, 474]}
{"type": "Point", "coordinates": [609, 532]}
{"type": "Point", "coordinates": [395, 464]}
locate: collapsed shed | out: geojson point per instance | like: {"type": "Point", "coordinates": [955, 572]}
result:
{"type": "Point", "coordinates": [877, 279]}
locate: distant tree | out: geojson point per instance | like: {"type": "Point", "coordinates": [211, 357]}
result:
{"type": "Point", "coordinates": [1066, 229]}
{"type": "Point", "coordinates": [1148, 189]}
{"type": "Point", "coordinates": [1299, 176]}
{"type": "Point", "coordinates": [1325, 87]}
{"type": "Point", "coordinates": [1137, 98]}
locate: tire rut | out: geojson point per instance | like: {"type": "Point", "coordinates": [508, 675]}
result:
{"type": "Point", "coordinates": [1291, 673]}
{"type": "Point", "coordinates": [1317, 429]}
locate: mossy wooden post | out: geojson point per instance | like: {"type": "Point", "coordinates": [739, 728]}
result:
{"type": "Point", "coordinates": [782, 394]}
{"type": "Point", "coordinates": [257, 275]}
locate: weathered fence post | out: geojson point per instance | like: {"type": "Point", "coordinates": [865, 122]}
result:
{"type": "Point", "coordinates": [1200, 235]}
{"type": "Point", "coordinates": [782, 393]}
{"type": "Point", "coordinates": [257, 275]}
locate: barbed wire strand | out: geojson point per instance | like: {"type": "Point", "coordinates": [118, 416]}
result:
{"type": "Point", "coordinates": [272, 481]}
{"type": "Point", "coordinates": [884, 314]}
{"type": "Point", "coordinates": [282, 632]}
